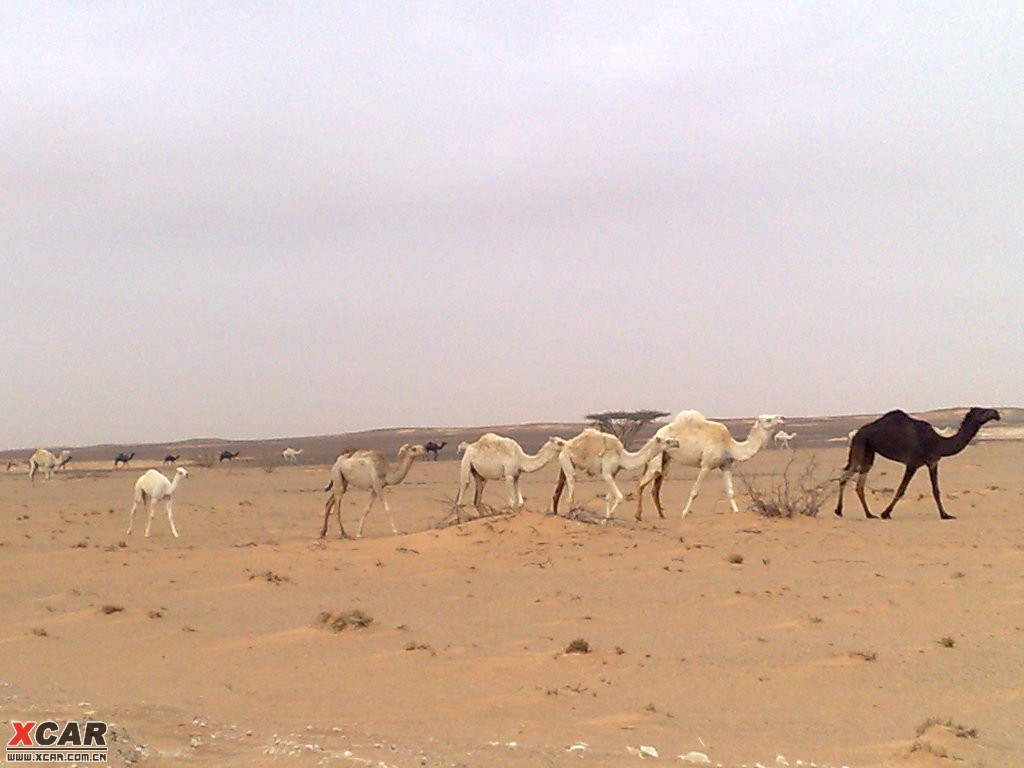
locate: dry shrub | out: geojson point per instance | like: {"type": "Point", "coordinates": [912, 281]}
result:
{"type": "Point", "coordinates": [579, 645]}
{"type": "Point", "coordinates": [800, 496]}
{"type": "Point", "coordinates": [339, 622]}
{"type": "Point", "coordinates": [109, 609]}
{"type": "Point", "coordinates": [960, 731]}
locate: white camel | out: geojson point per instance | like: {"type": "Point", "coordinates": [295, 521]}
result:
{"type": "Point", "coordinates": [707, 445]}
{"type": "Point", "coordinates": [600, 454]}
{"type": "Point", "coordinates": [368, 471]}
{"type": "Point", "coordinates": [782, 438]}
{"type": "Point", "coordinates": [43, 460]}
{"type": "Point", "coordinates": [152, 487]}
{"type": "Point", "coordinates": [291, 455]}
{"type": "Point", "coordinates": [494, 457]}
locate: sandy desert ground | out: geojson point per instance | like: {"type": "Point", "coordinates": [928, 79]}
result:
{"type": "Point", "coordinates": [836, 642]}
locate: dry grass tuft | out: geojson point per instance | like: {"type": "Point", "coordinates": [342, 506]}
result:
{"type": "Point", "coordinates": [339, 622]}
{"type": "Point", "coordinates": [960, 731]}
{"type": "Point", "coordinates": [579, 645]}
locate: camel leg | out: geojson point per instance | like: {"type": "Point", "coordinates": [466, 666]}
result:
{"type": "Point", "coordinates": [520, 501]}
{"type": "Point", "coordinates": [695, 490]}
{"type": "Point", "coordinates": [558, 492]}
{"type": "Point", "coordinates": [131, 517]}
{"type": "Point", "coordinates": [152, 511]}
{"type": "Point", "coordinates": [909, 473]}
{"type": "Point", "coordinates": [843, 479]}
{"type": "Point", "coordinates": [933, 474]}
{"type": "Point", "coordinates": [478, 489]}
{"type": "Point", "coordinates": [334, 500]}
{"type": "Point", "coordinates": [727, 475]}
{"type": "Point", "coordinates": [170, 517]}
{"type": "Point", "coordinates": [373, 498]}
{"type": "Point", "coordinates": [656, 494]}
{"type": "Point", "coordinates": [511, 483]}
{"type": "Point", "coordinates": [387, 508]}
{"type": "Point", "coordinates": [649, 476]}
{"type": "Point", "coordinates": [465, 472]}
{"type": "Point", "coordinates": [609, 505]}
{"type": "Point", "coordinates": [862, 478]}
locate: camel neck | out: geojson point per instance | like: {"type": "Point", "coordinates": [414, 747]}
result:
{"type": "Point", "coordinates": [755, 441]}
{"type": "Point", "coordinates": [948, 446]}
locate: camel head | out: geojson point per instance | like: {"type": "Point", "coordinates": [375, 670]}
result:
{"type": "Point", "coordinates": [666, 443]}
{"type": "Point", "coordinates": [182, 472]}
{"type": "Point", "coordinates": [769, 422]}
{"type": "Point", "coordinates": [981, 416]}
{"type": "Point", "coordinates": [413, 450]}
{"type": "Point", "coordinates": [557, 442]}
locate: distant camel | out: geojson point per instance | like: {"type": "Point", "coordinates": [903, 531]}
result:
{"type": "Point", "coordinates": [43, 460]}
{"type": "Point", "coordinates": [290, 455]}
{"type": "Point", "coordinates": [123, 459]}
{"type": "Point", "coordinates": [705, 444]}
{"type": "Point", "coordinates": [600, 454]}
{"type": "Point", "coordinates": [369, 471]}
{"type": "Point", "coordinates": [227, 455]}
{"type": "Point", "coordinates": [432, 447]}
{"type": "Point", "coordinates": [495, 457]}
{"type": "Point", "coordinates": [782, 438]}
{"type": "Point", "coordinates": [151, 488]}
{"type": "Point", "coordinates": [169, 459]}
{"type": "Point", "coordinates": [913, 443]}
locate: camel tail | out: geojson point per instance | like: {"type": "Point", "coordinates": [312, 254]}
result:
{"type": "Point", "coordinates": [330, 485]}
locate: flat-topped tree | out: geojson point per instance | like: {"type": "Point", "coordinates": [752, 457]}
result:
{"type": "Point", "coordinates": [625, 425]}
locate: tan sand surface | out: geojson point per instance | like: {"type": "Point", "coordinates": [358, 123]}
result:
{"type": "Point", "coordinates": [742, 638]}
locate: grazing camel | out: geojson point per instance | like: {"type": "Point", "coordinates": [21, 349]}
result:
{"type": "Point", "coordinates": [123, 459]}
{"type": "Point", "coordinates": [782, 438]}
{"type": "Point", "coordinates": [707, 445]}
{"type": "Point", "coordinates": [494, 457]}
{"type": "Point", "coordinates": [291, 455]}
{"type": "Point", "coordinates": [43, 460]}
{"type": "Point", "coordinates": [369, 471]}
{"type": "Point", "coordinates": [227, 455]}
{"type": "Point", "coordinates": [600, 454]}
{"type": "Point", "coordinates": [152, 487]}
{"type": "Point", "coordinates": [433, 447]}
{"type": "Point", "coordinates": [912, 442]}
{"type": "Point", "coordinates": [170, 459]}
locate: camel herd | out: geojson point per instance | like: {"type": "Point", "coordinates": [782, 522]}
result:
{"type": "Point", "coordinates": [689, 440]}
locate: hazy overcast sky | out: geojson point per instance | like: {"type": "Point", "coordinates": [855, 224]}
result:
{"type": "Point", "coordinates": [289, 218]}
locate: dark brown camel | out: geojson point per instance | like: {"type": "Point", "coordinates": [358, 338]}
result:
{"type": "Point", "coordinates": [433, 447]}
{"type": "Point", "coordinates": [170, 459]}
{"type": "Point", "coordinates": [227, 455]}
{"type": "Point", "coordinates": [911, 442]}
{"type": "Point", "coordinates": [123, 459]}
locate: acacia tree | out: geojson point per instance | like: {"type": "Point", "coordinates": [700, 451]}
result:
{"type": "Point", "coordinates": [625, 425]}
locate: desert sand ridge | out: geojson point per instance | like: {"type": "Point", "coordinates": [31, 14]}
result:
{"type": "Point", "coordinates": [742, 638]}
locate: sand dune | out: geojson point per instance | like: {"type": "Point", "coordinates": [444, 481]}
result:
{"type": "Point", "coordinates": [842, 642]}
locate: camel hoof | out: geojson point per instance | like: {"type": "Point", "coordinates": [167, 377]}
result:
{"type": "Point", "coordinates": [887, 515]}
{"type": "Point", "coordinates": [837, 512]}
{"type": "Point", "coordinates": [948, 516]}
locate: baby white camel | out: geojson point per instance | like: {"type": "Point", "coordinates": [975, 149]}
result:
{"type": "Point", "coordinates": [368, 471]}
{"type": "Point", "coordinates": [600, 454]}
{"type": "Point", "coordinates": [291, 456]}
{"type": "Point", "coordinates": [707, 445]}
{"type": "Point", "coordinates": [151, 488]}
{"type": "Point", "coordinates": [43, 460]}
{"type": "Point", "coordinates": [494, 457]}
{"type": "Point", "coordinates": [782, 438]}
